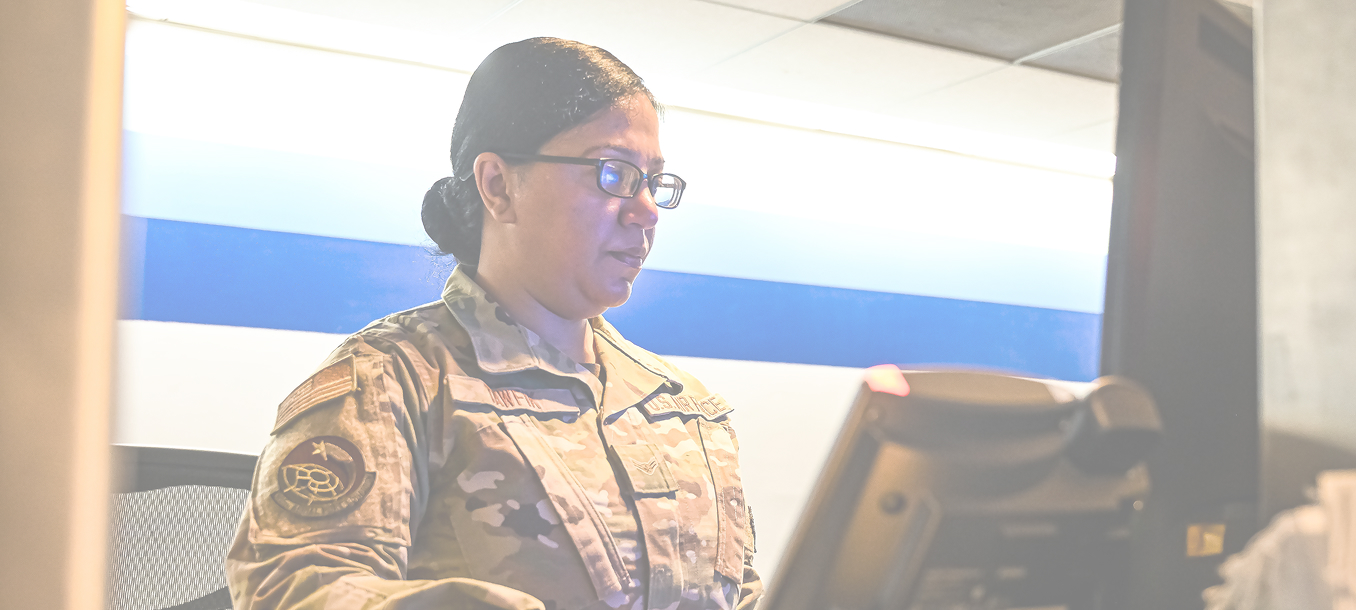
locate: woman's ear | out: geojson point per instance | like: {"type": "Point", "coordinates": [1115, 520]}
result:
{"type": "Point", "coordinates": [492, 182]}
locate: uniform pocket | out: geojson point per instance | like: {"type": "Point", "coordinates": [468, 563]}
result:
{"type": "Point", "coordinates": [583, 523]}
{"type": "Point", "coordinates": [646, 469]}
{"type": "Point", "coordinates": [510, 449]}
{"type": "Point", "coordinates": [732, 516]}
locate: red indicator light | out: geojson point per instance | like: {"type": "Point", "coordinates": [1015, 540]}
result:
{"type": "Point", "coordinates": [887, 379]}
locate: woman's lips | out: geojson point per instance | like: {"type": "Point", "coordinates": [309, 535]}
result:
{"type": "Point", "coordinates": [630, 258]}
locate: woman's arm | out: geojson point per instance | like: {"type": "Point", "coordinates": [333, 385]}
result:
{"type": "Point", "coordinates": [338, 493]}
{"type": "Point", "coordinates": [352, 576]}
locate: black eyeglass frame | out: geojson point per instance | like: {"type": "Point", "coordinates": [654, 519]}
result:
{"type": "Point", "coordinates": [645, 179]}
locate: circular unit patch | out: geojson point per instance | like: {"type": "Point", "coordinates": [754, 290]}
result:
{"type": "Point", "coordinates": [322, 476]}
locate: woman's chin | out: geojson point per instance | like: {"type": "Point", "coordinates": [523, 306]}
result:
{"type": "Point", "coordinates": [614, 292]}
{"type": "Point", "coordinates": [612, 284]}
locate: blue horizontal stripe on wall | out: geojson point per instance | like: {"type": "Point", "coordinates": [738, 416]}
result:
{"type": "Point", "coordinates": [708, 316]}
{"type": "Point", "coordinates": [212, 274]}
{"type": "Point", "coordinates": [209, 274]}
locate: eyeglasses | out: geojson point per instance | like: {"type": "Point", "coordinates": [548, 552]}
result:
{"type": "Point", "coordinates": [621, 178]}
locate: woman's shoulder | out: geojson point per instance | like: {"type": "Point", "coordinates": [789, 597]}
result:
{"type": "Point", "coordinates": [691, 384]}
{"type": "Point", "coordinates": [425, 337]}
{"type": "Point", "coordinates": [430, 321]}
{"type": "Point", "coordinates": [419, 346]}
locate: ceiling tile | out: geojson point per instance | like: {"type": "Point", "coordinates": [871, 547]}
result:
{"type": "Point", "coordinates": [803, 10]}
{"type": "Point", "coordinates": [840, 66]}
{"type": "Point", "coordinates": [442, 17]}
{"type": "Point", "coordinates": [1098, 58]}
{"type": "Point", "coordinates": [657, 38]}
{"type": "Point", "coordinates": [742, 50]}
{"type": "Point", "coordinates": [996, 28]}
{"type": "Point", "coordinates": [1018, 101]}
{"type": "Point", "coordinates": [1100, 136]}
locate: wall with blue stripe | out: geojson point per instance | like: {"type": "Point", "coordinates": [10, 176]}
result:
{"type": "Point", "coordinates": [212, 274]}
{"type": "Point", "coordinates": [271, 200]}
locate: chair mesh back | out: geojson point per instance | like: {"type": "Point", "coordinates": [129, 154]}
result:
{"type": "Point", "coordinates": [169, 547]}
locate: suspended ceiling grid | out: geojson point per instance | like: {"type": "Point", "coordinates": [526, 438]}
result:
{"type": "Point", "coordinates": [1039, 69]}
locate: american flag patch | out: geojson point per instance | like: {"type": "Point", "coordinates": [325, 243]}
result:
{"type": "Point", "coordinates": [330, 383]}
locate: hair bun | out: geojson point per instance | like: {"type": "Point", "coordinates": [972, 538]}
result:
{"type": "Point", "coordinates": [451, 227]}
{"type": "Point", "coordinates": [439, 190]}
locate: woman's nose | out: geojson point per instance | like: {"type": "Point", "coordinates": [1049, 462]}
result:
{"type": "Point", "coordinates": [640, 210]}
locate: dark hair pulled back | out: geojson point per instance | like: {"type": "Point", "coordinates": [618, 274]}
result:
{"type": "Point", "coordinates": [522, 95]}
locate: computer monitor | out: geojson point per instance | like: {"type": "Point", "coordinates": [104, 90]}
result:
{"type": "Point", "coordinates": [966, 490]}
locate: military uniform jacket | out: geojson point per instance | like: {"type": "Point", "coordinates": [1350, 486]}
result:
{"type": "Point", "coordinates": [447, 457]}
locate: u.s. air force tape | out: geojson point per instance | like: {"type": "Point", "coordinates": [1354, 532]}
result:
{"type": "Point", "coordinates": [322, 476]}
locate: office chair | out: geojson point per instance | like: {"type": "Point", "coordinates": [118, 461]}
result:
{"type": "Point", "coordinates": [172, 520]}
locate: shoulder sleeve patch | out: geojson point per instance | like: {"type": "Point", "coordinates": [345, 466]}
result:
{"type": "Point", "coordinates": [331, 382]}
{"type": "Point", "coordinates": [323, 476]}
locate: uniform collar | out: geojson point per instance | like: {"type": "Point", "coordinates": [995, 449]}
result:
{"type": "Point", "coordinates": [633, 374]}
{"type": "Point", "coordinates": [501, 345]}
{"type": "Point", "coordinates": [504, 346]}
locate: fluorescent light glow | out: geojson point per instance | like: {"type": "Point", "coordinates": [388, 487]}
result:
{"type": "Point", "coordinates": [207, 87]}
{"type": "Point", "coordinates": [203, 86]}
{"type": "Point", "coordinates": [463, 53]}
{"type": "Point", "coordinates": [307, 29]}
{"type": "Point", "coordinates": [809, 115]}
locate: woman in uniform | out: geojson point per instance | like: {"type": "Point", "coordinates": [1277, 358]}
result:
{"type": "Point", "coordinates": [506, 447]}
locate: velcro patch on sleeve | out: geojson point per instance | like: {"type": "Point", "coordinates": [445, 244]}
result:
{"type": "Point", "coordinates": [323, 476]}
{"type": "Point", "coordinates": [330, 383]}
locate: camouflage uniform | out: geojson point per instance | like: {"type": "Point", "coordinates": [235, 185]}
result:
{"type": "Point", "coordinates": [446, 457]}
